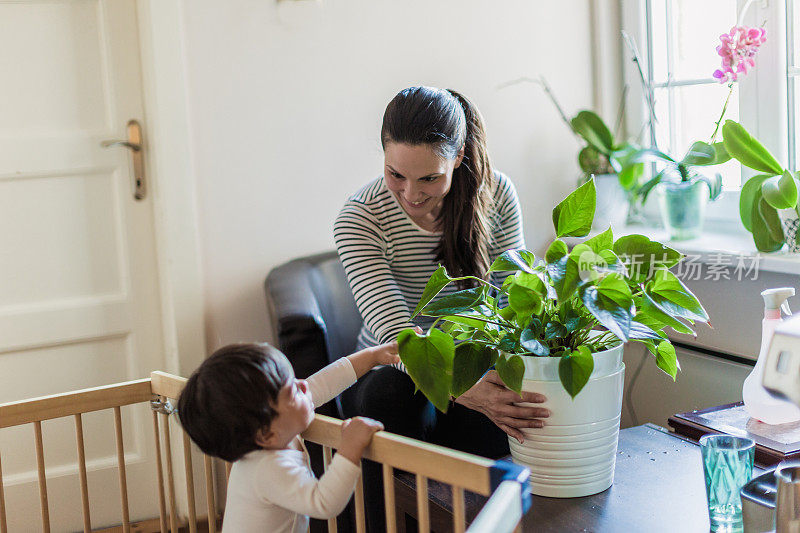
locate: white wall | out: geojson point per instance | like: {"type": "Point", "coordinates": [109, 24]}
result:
{"type": "Point", "coordinates": [286, 100]}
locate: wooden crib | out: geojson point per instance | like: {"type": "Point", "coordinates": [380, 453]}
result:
{"type": "Point", "coordinates": [504, 482]}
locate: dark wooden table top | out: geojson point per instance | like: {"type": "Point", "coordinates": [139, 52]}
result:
{"type": "Point", "coordinates": [658, 486]}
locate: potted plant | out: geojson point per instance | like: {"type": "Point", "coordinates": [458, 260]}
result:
{"type": "Point", "coordinates": [560, 333]}
{"type": "Point", "coordinates": [768, 203]}
{"type": "Point", "coordinates": [603, 157]}
{"type": "Point", "coordinates": [684, 194]}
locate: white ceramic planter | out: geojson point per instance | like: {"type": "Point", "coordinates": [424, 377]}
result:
{"type": "Point", "coordinates": [790, 222]}
{"type": "Point", "coordinates": [575, 452]}
{"type": "Point", "coordinates": [612, 202]}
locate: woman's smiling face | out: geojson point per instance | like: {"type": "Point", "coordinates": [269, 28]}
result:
{"type": "Point", "coordinates": [419, 177]}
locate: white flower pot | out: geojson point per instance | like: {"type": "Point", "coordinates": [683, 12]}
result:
{"type": "Point", "coordinates": [612, 202]}
{"type": "Point", "coordinates": [790, 221]}
{"type": "Point", "coordinates": [574, 454]}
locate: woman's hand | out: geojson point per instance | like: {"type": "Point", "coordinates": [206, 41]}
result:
{"type": "Point", "coordinates": [386, 354]}
{"type": "Point", "coordinates": [491, 397]}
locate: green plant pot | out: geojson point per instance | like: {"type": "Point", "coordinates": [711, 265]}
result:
{"type": "Point", "coordinates": [683, 209]}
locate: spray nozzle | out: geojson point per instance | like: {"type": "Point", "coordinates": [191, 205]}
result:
{"type": "Point", "coordinates": [776, 298]}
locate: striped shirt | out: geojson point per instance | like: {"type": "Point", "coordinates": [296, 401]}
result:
{"type": "Point", "coordinates": [388, 258]}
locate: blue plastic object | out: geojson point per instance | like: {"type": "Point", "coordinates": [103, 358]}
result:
{"type": "Point", "coordinates": [507, 471]}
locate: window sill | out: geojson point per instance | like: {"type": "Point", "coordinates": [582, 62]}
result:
{"type": "Point", "coordinates": [716, 247]}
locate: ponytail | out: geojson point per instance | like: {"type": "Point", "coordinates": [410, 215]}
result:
{"type": "Point", "coordinates": [464, 248]}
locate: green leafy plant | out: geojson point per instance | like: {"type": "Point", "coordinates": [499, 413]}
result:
{"type": "Point", "coordinates": [569, 304]}
{"type": "Point", "coordinates": [762, 195]}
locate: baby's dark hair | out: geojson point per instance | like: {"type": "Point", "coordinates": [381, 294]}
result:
{"type": "Point", "coordinates": [231, 396]}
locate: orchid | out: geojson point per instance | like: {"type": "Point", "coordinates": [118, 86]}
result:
{"type": "Point", "coordinates": [738, 49]}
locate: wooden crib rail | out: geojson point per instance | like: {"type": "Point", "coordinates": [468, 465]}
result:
{"type": "Point", "coordinates": [73, 403]}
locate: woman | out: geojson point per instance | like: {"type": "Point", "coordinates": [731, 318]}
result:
{"type": "Point", "coordinates": [437, 202]}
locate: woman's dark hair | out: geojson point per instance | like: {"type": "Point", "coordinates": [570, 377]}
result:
{"type": "Point", "coordinates": [447, 121]}
{"type": "Point", "coordinates": [232, 395]}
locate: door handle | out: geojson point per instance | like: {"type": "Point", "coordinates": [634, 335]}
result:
{"type": "Point", "coordinates": [134, 143]}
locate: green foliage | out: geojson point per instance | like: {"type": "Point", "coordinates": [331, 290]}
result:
{"type": "Point", "coordinates": [570, 304]}
{"type": "Point", "coordinates": [764, 194]}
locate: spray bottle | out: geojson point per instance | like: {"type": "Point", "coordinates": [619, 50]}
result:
{"type": "Point", "coordinates": [757, 401]}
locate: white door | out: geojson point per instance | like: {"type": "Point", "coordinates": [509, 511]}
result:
{"type": "Point", "coordinates": [79, 295]}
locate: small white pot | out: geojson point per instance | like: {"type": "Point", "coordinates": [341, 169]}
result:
{"type": "Point", "coordinates": [574, 454]}
{"type": "Point", "coordinates": [612, 202]}
{"type": "Point", "coordinates": [790, 221]}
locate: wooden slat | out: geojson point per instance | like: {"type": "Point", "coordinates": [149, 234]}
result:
{"type": "Point", "coordinates": [423, 516]}
{"type": "Point", "coordinates": [173, 514]}
{"type": "Point", "coordinates": [3, 523]}
{"type": "Point", "coordinates": [456, 468]}
{"type": "Point", "coordinates": [459, 518]}
{"type": "Point", "coordinates": [123, 478]}
{"type": "Point", "coordinates": [211, 505]}
{"type": "Point", "coordinates": [359, 504]}
{"type": "Point", "coordinates": [327, 457]}
{"type": "Point", "coordinates": [37, 430]}
{"type": "Point", "coordinates": [87, 520]}
{"type": "Point", "coordinates": [189, 471]}
{"type": "Point", "coordinates": [388, 498]}
{"type": "Point", "coordinates": [71, 403]}
{"type": "Point", "coordinates": [166, 385]}
{"type": "Point", "coordinates": [162, 507]}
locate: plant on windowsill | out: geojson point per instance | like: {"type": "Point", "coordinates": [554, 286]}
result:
{"type": "Point", "coordinates": [768, 203]}
{"type": "Point", "coordinates": [603, 156]}
{"type": "Point", "coordinates": [561, 334]}
{"type": "Point", "coordinates": [684, 195]}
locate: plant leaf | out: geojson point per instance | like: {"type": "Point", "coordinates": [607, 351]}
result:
{"type": "Point", "coordinates": [510, 368]}
{"type": "Point", "coordinates": [615, 289]}
{"type": "Point", "coordinates": [675, 298]}
{"type": "Point", "coordinates": [470, 363]}
{"type": "Point", "coordinates": [556, 251]}
{"type": "Point", "coordinates": [641, 331]}
{"type": "Point", "coordinates": [642, 256]}
{"type": "Point", "coordinates": [649, 310]}
{"type": "Point", "coordinates": [529, 341]}
{"type": "Point", "coordinates": [667, 359]}
{"type": "Point", "coordinates": [721, 155]}
{"type": "Point", "coordinates": [616, 318]}
{"type": "Point", "coordinates": [591, 127]}
{"type": "Point", "coordinates": [458, 302]}
{"type": "Point", "coordinates": [747, 150]}
{"type": "Point", "coordinates": [429, 361]}
{"type": "Point", "coordinates": [770, 217]}
{"type": "Point", "coordinates": [524, 301]}
{"type": "Point", "coordinates": [700, 154]}
{"type": "Point", "coordinates": [436, 283]}
{"type": "Point", "coordinates": [512, 260]}
{"type": "Point", "coordinates": [751, 192]}
{"type": "Point", "coordinates": [601, 241]}
{"type": "Point", "coordinates": [574, 215]}
{"type": "Point", "coordinates": [575, 369]}
{"type": "Point", "coordinates": [780, 191]}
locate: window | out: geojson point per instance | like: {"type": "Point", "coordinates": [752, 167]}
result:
{"type": "Point", "coordinates": [677, 41]}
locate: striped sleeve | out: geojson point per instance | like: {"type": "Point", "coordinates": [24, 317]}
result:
{"type": "Point", "coordinates": [361, 245]}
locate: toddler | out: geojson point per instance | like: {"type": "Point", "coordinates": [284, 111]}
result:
{"type": "Point", "coordinates": [244, 405]}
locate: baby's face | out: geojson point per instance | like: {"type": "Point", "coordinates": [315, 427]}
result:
{"type": "Point", "coordinates": [295, 412]}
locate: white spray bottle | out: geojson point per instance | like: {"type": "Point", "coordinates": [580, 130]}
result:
{"type": "Point", "coordinates": [757, 401]}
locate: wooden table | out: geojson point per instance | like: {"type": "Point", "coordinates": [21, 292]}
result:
{"type": "Point", "coordinates": [658, 486]}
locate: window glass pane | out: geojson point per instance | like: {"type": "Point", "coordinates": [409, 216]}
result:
{"type": "Point", "coordinates": [795, 139]}
{"type": "Point", "coordinates": [695, 109]}
{"type": "Point", "coordinates": [697, 26]}
{"type": "Point", "coordinates": [658, 26]}
{"type": "Point", "coordinates": [795, 7]}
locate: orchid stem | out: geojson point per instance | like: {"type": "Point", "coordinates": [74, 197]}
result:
{"type": "Point", "coordinates": [722, 115]}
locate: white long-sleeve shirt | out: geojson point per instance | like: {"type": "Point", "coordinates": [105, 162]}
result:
{"type": "Point", "coordinates": [275, 491]}
{"type": "Point", "coordinates": [388, 258]}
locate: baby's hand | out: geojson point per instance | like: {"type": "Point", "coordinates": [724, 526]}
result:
{"type": "Point", "coordinates": [386, 354]}
{"type": "Point", "coordinates": [356, 435]}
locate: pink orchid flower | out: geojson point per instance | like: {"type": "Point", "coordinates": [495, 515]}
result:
{"type": "Point", "coordinates": [738, 49]}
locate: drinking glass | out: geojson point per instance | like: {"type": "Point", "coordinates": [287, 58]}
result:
{"type": "Point", "coordinates": [727, 466]}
